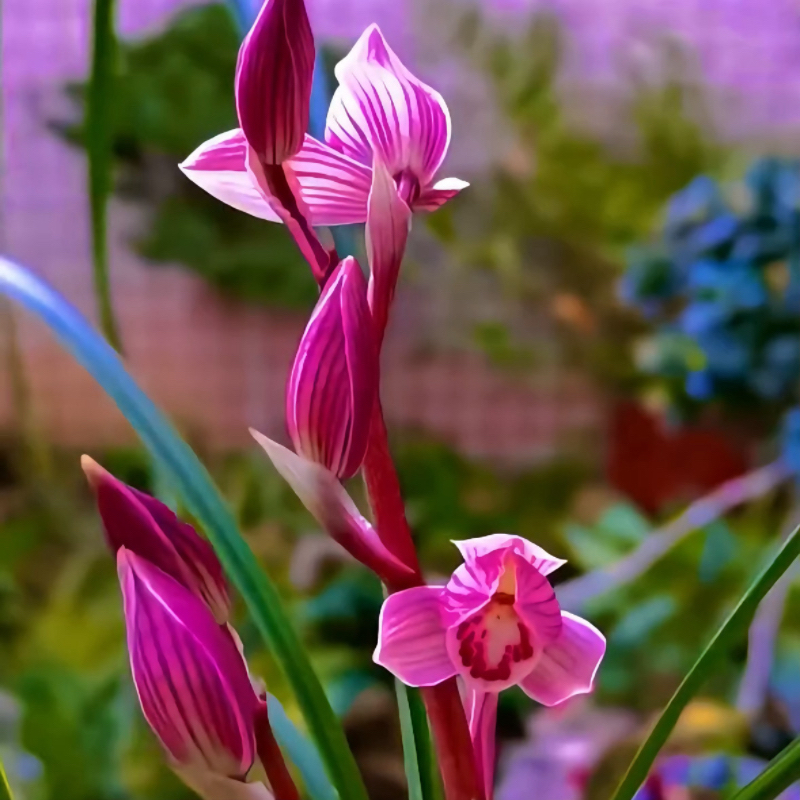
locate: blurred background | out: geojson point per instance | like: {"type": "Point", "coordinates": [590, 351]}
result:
{"type": "Point", "coordinates": [596, 346]}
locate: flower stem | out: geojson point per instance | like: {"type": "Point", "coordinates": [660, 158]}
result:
{"type": "Point", "coordinates": [98, 147]}
{"type": "Point", "coordinates": [278, 774]}
{"type": "Point", "coordinates": [443, 701]}
{"type": "Point", "coordinates": [386, 500]}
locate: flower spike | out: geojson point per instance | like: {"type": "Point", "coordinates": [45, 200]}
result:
{"type": "Point", "coordinates": [333, 382]}
{"type": "Point", "coordinates": [145, 526]}
{"type": "Point", "coordinates": [273, 80]}
{"type": "Point", "coordinates": [192, 682]}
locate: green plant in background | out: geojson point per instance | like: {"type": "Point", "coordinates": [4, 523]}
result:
{"type": "Point", "coordinates": [562, 205]}
{"type": "Point", "coordinates": [171, 92]}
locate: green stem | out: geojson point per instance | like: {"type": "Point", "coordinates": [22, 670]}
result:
{"type": "Point", "coordinates": [727, 635]}
{"type": "Point", "coordinates": [98, 147]}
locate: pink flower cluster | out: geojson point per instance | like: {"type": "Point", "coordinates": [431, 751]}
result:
{"type": "Point", "coordinates": [497, 622]}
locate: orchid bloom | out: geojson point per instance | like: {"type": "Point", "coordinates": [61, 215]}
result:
{"type": "Point", "coordinates": [334, 379]}
{"type": "Point", "coordinates": [496, 623]}
{"type": "Point", "coordinates": [145, 526]}
{"type": "Point", "coordinates": [191, 680]}
{"type": "Point", "coordinates": [379, 112]}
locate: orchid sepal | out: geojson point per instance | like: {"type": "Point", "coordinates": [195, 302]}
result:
{"type": "Point", "coordinates": [328, 502]}
{"type": "Point", "coordinates": [274, 74]}
{"type": "Point", "coordinates": [192, 683]}
{"type": "Point", "coordinates": [147, 527]}
{"type": "Point", "coordinates": [333, 383]}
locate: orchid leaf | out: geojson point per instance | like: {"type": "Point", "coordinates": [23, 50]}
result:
{"type": "Point", "coordinates": [409, 730]}
{"type": "Point", "coordinates": [732, 630]}
{"type": "Point", "coordinates": [300, 752]}
{"type": "Point", "coordinates": [203, 500]}
{"type": "Point", "coordinates": [777, 776]}
{"type": "Point", "coordinates": [5, 789]}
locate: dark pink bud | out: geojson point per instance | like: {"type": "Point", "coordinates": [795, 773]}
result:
{"type": "Point", "coordinates": [273, 80]}
{"type": "Point", "coordinates": [145, 526]}
{"type": "Point", "coordinates": [191, 680]}
{"type": "Point", "coordinates": [333, 384]}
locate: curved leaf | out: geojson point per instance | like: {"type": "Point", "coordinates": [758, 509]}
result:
{"type": "Point", "coordinates": [5, 789]}
{"type": "Point", "coordinates": [731, 631]}
{"type": "Point", "coordinates": [777, 776]}
{"type": "Point", "coordinates": [203, 500]}
{"type": "Point", "coordinates": [300, 752]}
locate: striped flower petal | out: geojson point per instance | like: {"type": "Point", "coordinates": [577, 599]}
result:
{"type": "Point", "coordinates": [192, 683]}
{"type": "Point", "coordinates": [146, 526]}
{"type": "Point", "coordinates": [273, 80]}
{"type": "Point", "coordinates": [333, 187]}
{"type": "Point", "coordinates": [334, 380]}
{"type": "Point", "coordinates": [381, 107]}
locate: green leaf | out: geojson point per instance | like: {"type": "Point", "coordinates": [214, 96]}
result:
{"type": "Point", "coordinates": [300, 751]}
{"type": "Point", "coordinates": [5, 789]}
{"type": "Point", "coordinates": [730, 632]}
{"type": "Point", "coordinates": [98, 148]}
{"type": "Point", "coordinates": [203, 500]}
{"type": "Point", "coordinates": [418, 759]}
{"type": "Point", "coordinates": [777, 776]}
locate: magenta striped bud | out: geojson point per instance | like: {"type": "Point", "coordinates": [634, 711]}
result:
{"type": "Point", "coordinates": [333, 384]}
{"type": "Point", "coordinates": [273, 80]}
{"type": "Point", "coordinates": [191, 680]}
{"type": "Point", "coordinates": [145, 526]}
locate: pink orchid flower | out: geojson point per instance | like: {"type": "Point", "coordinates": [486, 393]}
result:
{"type": "Point", "coordinates": [496, 623]}
{"type": "Point", "coordinates": [191, 680]}
{"type": "Point", "coordinates": [145, 526]}
{"type": "Point", "coordinates": [379, 108]}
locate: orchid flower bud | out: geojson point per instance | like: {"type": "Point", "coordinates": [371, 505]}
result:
{"type": "Point", "coordinates": [145, 526]}
{"type": "Point", "coordinates": [191, 680]}
{"type": "Point", "coordinates": [333, 384]}
{"type": "Point", "coordinates": [273, 80]}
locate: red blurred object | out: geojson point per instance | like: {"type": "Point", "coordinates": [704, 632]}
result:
{"type": "Point", "coordinates": [654, 466]}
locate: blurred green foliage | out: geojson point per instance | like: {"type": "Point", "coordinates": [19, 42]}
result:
{"type": "Point", "coordinates": [563, 204]}
{"type": "Point", "coordinates": [62, 653]}
{"type": "Point", "coordinates": [173, 91]}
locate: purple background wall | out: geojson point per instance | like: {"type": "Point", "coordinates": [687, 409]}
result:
{"type": "Point", "coordinates": [219, 367]}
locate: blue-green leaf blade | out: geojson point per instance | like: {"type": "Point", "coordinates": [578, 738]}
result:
{"type": "Point", "coordinates": [730, 631]}
{"type": "Point", "coordinates": [300, 751]}
{"type": "Point", "coordinates": [203, 500]}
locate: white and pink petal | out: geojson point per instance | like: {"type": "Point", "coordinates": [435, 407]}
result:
{"type": "Point", "coordinates": [472, 549]}
{"type": "Point", "coordinates": [381, 107]}
{"type": "Point", "coordinates": [411, 637]}
{"type": "Point", "coordinates": [333, 187]}
{"type": "Point", "coordinates": [218, 166]}
{"type": "Point", "coordinates": [568, 666]}
{"type": "Point", "coordinates": [433, 197]}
